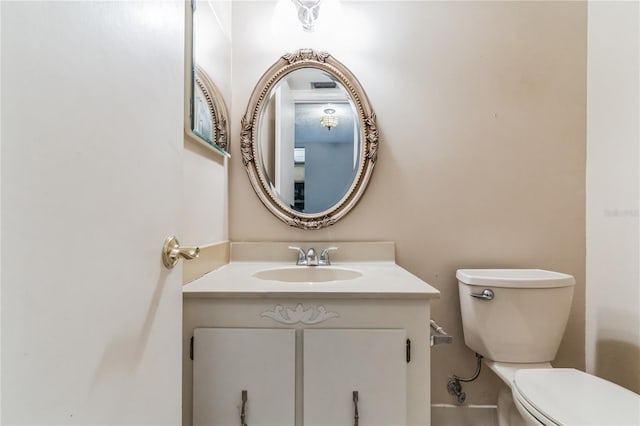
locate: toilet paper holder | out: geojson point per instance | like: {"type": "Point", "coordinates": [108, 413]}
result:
{"type": "Point", "coordinates": [441, 337]}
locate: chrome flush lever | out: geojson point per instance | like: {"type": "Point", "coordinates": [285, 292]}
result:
{"type": "Point", "coordinates": [487, 294]}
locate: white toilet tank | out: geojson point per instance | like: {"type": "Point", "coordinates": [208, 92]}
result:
{"type": "Point", "coordinates": [514, 315]}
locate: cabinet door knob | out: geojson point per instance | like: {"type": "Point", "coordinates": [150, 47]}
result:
{"type": "Point", "coordinates": [356, 416]}
{"type": "Point", "coordinates": [242, 411]}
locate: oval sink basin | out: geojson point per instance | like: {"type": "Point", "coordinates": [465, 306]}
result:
{"type": "Point", "coordinates": [306, 274]}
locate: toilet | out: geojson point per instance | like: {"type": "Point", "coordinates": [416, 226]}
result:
{"type": "Point", "coordinates": [515, 319]}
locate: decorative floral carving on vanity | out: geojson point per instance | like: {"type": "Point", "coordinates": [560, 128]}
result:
{"type": "Point", "coordinates": [304, 314]}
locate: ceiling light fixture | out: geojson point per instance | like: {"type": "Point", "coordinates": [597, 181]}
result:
{"type": "Point", "coordinates": [308, 12]}
{"type": "Point", "coordinates": [329, 120]}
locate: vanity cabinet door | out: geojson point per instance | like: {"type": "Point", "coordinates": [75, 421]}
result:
{"type": "Point", "coordinates": [228, 361]}
{"type": "Point", "coordinates": [338, 362]}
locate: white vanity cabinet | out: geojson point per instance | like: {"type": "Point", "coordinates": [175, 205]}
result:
{"type": "Point", "coordinates": [309, 356]}
{"type": "Point", "coordinates": [348, 377]}
{"type": "Point", "coordinates": [345, 370]}
{"type": "Point", "coordinates": [301, 340]}
{"type": "Point", "coordinates": [228, 362]}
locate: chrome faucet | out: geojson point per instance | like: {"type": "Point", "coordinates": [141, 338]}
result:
{"type": "Point", "coordinates": [310, 258]}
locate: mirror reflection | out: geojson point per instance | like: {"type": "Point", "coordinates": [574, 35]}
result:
{"type": "Point", "coordinates": [204, 120]}
{"type": "Point", "coordinates": [309, 140]}
{"type": "Point", "coordinates": [208, 111]}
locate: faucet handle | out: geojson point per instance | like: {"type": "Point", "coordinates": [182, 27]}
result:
{"type": "Point", "coordinates": [302, 257]}
{"type": "Point", "coordinates": [324, 256]}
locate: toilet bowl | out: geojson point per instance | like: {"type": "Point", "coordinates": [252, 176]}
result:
{"type": "Point", "coordinates": [515, 319]}
{"type": "Point", "coordinates": [565, 396]}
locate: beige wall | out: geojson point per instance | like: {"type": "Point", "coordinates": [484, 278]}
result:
{"type": "Point", "coordinates": [613, 275]}
{"type": "Point", "coordinates": [205, 178]}
{"type": "Point", "coordinates": [481, 111]}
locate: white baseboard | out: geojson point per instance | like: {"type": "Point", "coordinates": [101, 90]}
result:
{"type": "Point", "coordinates": [463, 415]}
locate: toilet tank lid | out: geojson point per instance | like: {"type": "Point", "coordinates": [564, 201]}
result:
{"type": "Point", "coordinates": [514, 278]}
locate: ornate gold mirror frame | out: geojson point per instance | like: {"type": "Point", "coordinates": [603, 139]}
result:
{"type": "Point", "coordinates": [250, 145]}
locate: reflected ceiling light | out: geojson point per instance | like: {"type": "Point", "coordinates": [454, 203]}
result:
{"type": "Point", "coordinates": [308, 12]}
{"type": "Point", "coordinates": [329, 120]}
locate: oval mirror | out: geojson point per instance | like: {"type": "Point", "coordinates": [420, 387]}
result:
{"type": "Point", "coordinates": [309, 140]}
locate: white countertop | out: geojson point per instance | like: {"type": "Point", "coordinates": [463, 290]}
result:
{"type": "Point", "coordinates": [379, 280]}
{"type": "Point", "coordinates": [381, 277]}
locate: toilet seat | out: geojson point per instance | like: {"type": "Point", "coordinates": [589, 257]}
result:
{"type": "Point", "coordinates": [568, 397]}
